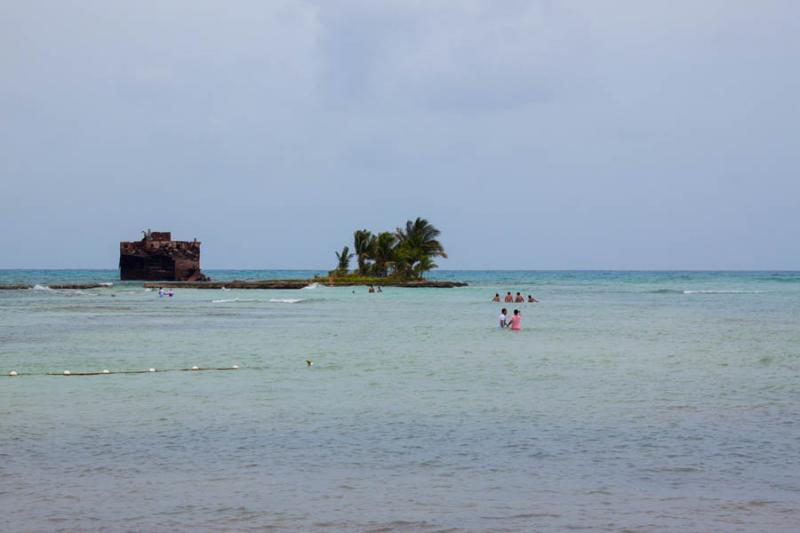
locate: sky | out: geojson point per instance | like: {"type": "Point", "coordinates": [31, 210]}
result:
{"type": "Point", "coordinates": [535, 135]}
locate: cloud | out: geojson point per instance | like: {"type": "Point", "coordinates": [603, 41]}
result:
{"type": "Point", "coordinates": [265, 119]}
{"type": "Point", "coordinates": [450, 57]}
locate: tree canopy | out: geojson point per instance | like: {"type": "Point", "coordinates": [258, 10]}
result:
{"type": "Point", "coordinates": [407, 253]}
{"type": "Point", "coordinates": [343, 260]}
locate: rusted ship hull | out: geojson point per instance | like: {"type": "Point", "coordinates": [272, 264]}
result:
{"type": "Point", "coordinates": [158, 258]}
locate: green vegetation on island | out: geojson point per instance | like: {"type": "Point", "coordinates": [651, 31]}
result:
{"type": "Point", "coordinates": [403, 255]}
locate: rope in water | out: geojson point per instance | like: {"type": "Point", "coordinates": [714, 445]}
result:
{"type": "Point", "coordinates": [106, 372]}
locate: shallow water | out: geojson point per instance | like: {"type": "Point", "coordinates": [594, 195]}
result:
{"type": "Point", "coordinates": [637, 401]}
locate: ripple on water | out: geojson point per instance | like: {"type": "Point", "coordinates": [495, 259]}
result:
{"type": "Point", "coordinates": [616, 408]}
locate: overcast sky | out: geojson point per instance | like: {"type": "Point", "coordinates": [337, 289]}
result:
{"type": "Point", "coordinates": [535, 135]}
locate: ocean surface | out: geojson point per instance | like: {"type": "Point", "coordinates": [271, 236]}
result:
{"type": "Point", "coordinates": [630, 401]}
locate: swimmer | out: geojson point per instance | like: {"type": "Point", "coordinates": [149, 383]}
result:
{"type": "Point", "coordinates": [161, 292]}
{"type": "Point", "coordinates": [502, 318]}
{"type": "Point", "coordinates": [515, 320]}
{"type": "Point", "coordinates": [532, 300]}
{"type": "Point", "coordinates": [379, 289]}
{"type": "Point", "coordinates": [496, 297]}
{"type": "Point", "coordinates": [519, 299]}
{"type": "Point", "coordinates": [371, 289]}
{"type": "Point", "coordinates": [509, 298]}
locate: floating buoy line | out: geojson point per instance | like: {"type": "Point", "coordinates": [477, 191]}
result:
{"type": "Point", "coordinates": [105, 372]}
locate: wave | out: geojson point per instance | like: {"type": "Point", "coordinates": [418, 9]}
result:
{"type": "Point", "coordinates": [286, 300]}
{"type": "Point", "coordinates": [38, 287]}
{"type": "Point", "coordinates": [721, 292]}
{"type": "Point", "coordinates": [666, 291]}
{"type": "Point", "coordinates": [782, 277]}
{"type": "Point", "coordinates": [702, 291]}
{"type": "Point", "coordinates": [106, 284]}
{"type": "Point", "coordinates": [225, 289]}
{"type": "Point", "coordinates": [312, 286]}
{"type": "Point", "coordinates": [231, 300]}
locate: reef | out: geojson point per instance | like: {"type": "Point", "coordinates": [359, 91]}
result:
{"type": "Point", "coordinates": [298, 284]}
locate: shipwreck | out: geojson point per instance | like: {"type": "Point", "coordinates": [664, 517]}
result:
{"type": "Point", "coordinates": [158, 258]}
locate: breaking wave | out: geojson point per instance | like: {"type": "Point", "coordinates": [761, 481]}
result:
{"type": "Point", "coordinates": [702, 291]}
{"type": "Point", "coordinates": [106, 284]}
{"type": "Point", "coordinates": [231, 300]}
{"type": "Point", "coordinates": [721, 292]}
{"type": "Point", "coordinates": [38, 287]}
{"type": "Point", "coordinates": [312, 286]}
{"type": "Point", "coordinates": [286, 300]}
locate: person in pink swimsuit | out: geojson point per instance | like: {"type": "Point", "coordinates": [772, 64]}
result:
{"type": "Point", "coordinates": [516, 318]}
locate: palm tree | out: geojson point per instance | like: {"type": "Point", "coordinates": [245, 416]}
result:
{"type": "Point", "coordinates": [383, 252]}
{"type": "Point", "coordinates": [423, 265]}
{"type": "Point", "coordinates": [417, 246]}
{"type": "Point", "coordinates": [344, 258]}
{"type": "Point", "coordinates": [362, 242]}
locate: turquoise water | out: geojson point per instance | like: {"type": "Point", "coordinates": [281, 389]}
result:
{"type": "Point", "coordinates": [629, 401]}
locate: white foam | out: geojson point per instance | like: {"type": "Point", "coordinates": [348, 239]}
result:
{"type": "Point", "coordinates": [38, 287]}
{"type": "Point", "coordinates": [231, 300]}
{"type": "Point", "coordinates": [286, 300]}
{"type": "Point", "coordinates": [148, 289]}
{"type": "Point", "coordinates": [106, 284]}
{"type": "Point", "coordinates": [721, 292]}
{"type": "Point", "coordinates": [312, 286]}
{"type": "Point", "coordinates": [225, 289]}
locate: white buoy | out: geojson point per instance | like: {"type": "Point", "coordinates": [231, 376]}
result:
{"type": "Point", "coordinates": [12, 373]}
{"type": "Point", "coordinates": [195, 368]}
{"type": "Point", "coordinates": [106, 371]}
{"type": "Point", "coordinates": [66, 372]}
{"type": "Point", "coordinates": [151, 369]}
{"type": "Point", "coordinates": [236, 367]}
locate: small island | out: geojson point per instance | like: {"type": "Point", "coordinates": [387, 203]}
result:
{"type": "Point", "coordinates": [397, 258]}
{"type": "Point", "coordinates": [401, 256]}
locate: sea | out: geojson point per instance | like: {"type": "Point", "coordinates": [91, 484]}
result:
{"type": "Point", "coordinates": [629, 401]}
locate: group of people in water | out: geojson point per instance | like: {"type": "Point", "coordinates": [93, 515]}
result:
{"type": "Point", "coordinates": [518, 299]}
{"type": "Point", "coordinates": [162, 292]}
{"type": "Point", "coordinates": [513, 322]}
